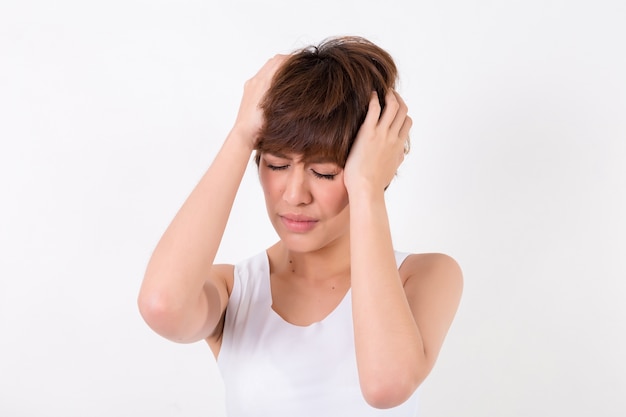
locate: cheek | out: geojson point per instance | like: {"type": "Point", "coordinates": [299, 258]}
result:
{"type": "Point", "coordinates": [335, 199]}
{"type": "Point", "coordinates": [267, 184]}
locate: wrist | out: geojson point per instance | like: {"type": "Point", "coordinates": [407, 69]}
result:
{"type": "Point", "coordinates": [365, 192]}
{"type": "Point", "coordinates": [244, 140]}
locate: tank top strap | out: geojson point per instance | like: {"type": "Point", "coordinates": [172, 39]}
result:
{"type": "Point", "coordinates": [400, 257]}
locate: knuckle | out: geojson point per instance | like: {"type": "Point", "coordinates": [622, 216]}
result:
{"type": "Point", "coordinates": [393, 104]}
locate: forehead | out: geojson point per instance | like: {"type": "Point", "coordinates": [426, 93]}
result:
{"type": "Point", "coordinates": [300, 157]}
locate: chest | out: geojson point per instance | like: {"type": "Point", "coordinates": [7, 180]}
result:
{"type": "Point", "coordinates": [271, 367]}
{"type": "Point", "coordinates": [303, 303]}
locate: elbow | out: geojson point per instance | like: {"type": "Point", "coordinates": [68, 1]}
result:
{"type": "Point", "coordinates": [179, 318]}
{"type": "Point", "coordinates": [390, 391]}
{"type": "Point", "coordinates": [152, 306]}
{"type": "Point", "coordinates": [160, 313]}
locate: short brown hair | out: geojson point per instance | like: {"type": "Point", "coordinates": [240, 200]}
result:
{"type": "Point", "coordinates": [319, 98]}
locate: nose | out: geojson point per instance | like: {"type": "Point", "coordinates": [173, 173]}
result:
{"type": "Point", "coordinates": [296, 192]}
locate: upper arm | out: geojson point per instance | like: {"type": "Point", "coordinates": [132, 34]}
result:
{"type": "Point", "coordinates": [433, 286]}
{"type": "Point", "coordinates": [213, 301]}
{"type": "Point", "coordinates": [218, 287]}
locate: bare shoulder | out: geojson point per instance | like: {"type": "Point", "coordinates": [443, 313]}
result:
{"type": "Point", "coordinates": [433, 283]}
{"type": "Point", "coordinates": [432, 266]}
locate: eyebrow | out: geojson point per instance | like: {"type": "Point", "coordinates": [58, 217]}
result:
{"type": "Point", "coordinates": [321, 160]}
{"type": "Point", "coordinates": [316, 159]}
{"type": "Point", "coordinates": [277, 155]}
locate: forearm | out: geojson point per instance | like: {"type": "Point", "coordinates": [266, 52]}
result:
{"type": "Point", "coordinates": [182, 259]}
{"type": "Point", "coordinates": [389, 346]}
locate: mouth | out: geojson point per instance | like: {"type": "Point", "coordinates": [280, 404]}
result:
{"type": "Point", "coordinates": [298, 223]}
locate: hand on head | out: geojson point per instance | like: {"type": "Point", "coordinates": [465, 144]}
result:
{"type": "Point", "coordinates": [380, 145]}
{"type": "Point", "coordinates": [250, 116]}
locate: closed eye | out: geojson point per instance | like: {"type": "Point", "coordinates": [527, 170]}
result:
{"type": "Point", "coordinates": [277, 167]}
{"type": "Point", "coordinates": [324, 176]}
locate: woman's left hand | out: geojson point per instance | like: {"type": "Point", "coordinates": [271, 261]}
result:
{"type": "Point", "coordinates": [380, 145]}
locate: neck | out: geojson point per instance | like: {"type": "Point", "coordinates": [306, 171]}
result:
{"type": "Point", "coordinates": [326, 263]}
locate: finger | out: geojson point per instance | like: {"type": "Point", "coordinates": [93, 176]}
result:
{"type": "Point", "coordinates": [373, 110]}
{"type": "Point", "coordinates": [404, 135]}
{"type": "Point", "coordinates": [273, 64]}
{"type": "Point", "coordinates": [267, 71]}
{"type": "Point", "coordinates": [391, 109]}
{"type": "Point", "coordinates": [406, 127]}
{"type": "Point", "coordinates": [278, 59]}
{"type": "Point", "coordinates": [400, 116]}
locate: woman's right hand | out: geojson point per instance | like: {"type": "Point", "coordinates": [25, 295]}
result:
{"type": "Point", "coordinates": [184, 294]}
{"type": "Point", "coordinates": [250, 116]}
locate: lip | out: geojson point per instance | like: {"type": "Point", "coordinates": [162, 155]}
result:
{"type": "Point", "coordinates": [298, 223]}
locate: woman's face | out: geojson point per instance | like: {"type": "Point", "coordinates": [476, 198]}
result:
{"type": "Point", "coordinates": [307, 201]}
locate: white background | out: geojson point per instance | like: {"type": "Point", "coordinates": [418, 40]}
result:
{"type": "Point", "coordinates": [111, 111]}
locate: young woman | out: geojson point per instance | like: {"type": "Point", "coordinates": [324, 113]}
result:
{"type": "Point", "coordinates": [330, 320]}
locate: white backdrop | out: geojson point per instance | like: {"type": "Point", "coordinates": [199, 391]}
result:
{"type": "Point", "coordinates": [111, 111]}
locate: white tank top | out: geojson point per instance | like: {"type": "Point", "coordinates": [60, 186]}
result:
{"type": "Point", "coordinates": [271, 367]}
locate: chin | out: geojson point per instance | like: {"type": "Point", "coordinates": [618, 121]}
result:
{"type": "Point", "coordinates": [300, 243]}
{"type": "Point", "coordinates": [307, 242]}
